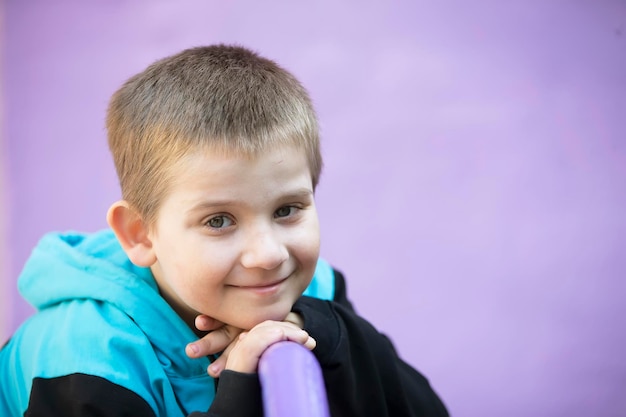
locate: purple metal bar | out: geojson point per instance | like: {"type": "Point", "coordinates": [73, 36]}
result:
{"type": "Point", "coordinates": [292, 382]}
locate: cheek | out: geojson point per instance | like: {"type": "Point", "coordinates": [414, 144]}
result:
{"type": "Point", "coordinates": [307, 244]}
{"type": "Point", "coordinates": [197, 273]}
{"type": "Point", "coordinates": [182, 272]}
{"type": "Point", "coordinates": [196, 285]}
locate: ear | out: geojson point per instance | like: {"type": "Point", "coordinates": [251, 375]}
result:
{"type": "Point", "coordinates": [132, 233]}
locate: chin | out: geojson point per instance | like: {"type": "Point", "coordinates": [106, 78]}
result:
{"type": "Point", "coordinates": [248, 319]}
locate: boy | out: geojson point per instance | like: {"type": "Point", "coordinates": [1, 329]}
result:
{"type": "Point", "coordinates": [217, 153]}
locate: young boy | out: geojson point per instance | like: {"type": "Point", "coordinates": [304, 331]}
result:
{"type": "Point", "coordinates": [217, 153]}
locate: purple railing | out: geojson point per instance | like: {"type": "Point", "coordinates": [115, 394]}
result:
{"type": "Point", "coordinates": [292, 382]}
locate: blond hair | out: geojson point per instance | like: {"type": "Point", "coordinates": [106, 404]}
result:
{"type": "Point", "coordinates": [220, 97]}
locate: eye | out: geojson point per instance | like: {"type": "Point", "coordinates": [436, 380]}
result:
{"type": "Point", "coordinates": [285, 211]}
{"type": "Point", "coordinates": [219, 222]}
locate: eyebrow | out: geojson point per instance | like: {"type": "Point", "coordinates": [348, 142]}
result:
{"type": "Point", "coordinates": [300, 193]}
{"type": "Point", "coordinates": [292, 195]}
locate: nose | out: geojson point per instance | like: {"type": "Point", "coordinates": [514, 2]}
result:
{"type": "Point", "coordinates": [264, 249]}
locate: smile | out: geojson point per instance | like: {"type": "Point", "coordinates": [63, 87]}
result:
{"type": "Point", "coordinates": [265, 289]}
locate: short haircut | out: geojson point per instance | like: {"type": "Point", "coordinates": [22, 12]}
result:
{"type": "Point", "coordinates": [222, 98]}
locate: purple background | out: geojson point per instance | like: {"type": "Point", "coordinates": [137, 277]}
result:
{"type": "Point", "coordinates": [474, 190]}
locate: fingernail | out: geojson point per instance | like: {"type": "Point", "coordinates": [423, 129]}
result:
{"type": "Point", "coordinates": [194, 348]}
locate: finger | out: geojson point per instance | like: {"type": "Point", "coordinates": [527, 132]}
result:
{"type": "Point", "coordinates": [245, 355]}
{"type": "Point", "coordinates": [206, 323]}
{"type": "Point", "coordinates": [310, 343]}
{"type": "Point", "coordinates": [297, 320]}
{"type": "Point", "coordinates": [295, 333]}
{"type": "Point", "coordinates": [214, 342]}
{"type": "Point", "coordinates": [219, 364]}
{"type": "Point", "coordinates": [290, 331]}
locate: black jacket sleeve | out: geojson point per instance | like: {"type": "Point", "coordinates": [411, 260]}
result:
{"type": "Point", "coordinates": [362, 372]}
{"type": "Point", "coordinates": [80, 395]}
{"type": "Point", "coordinates": [238, 395]}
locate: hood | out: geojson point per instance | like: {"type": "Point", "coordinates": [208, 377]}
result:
{"type": "Point", "coordinates": [67, 266]}
{"type": "Point", "coordinates": [71, 266]}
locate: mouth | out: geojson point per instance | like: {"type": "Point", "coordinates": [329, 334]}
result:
{"type": "Point", "coordinates": [262, 289]}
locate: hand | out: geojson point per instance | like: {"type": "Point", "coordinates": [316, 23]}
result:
{"type": "Point", "coordinates": [221, 338]}
{"type": "Point", "coordinates": [245, 353]}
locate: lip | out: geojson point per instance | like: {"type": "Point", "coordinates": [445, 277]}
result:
{"type": "Point", "coordinates": [264, 289]}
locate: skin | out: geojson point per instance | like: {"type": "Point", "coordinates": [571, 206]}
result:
{"type": "Point", "coordinates": [236, 241]}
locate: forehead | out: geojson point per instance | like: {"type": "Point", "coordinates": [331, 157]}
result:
{"type": "Point", "coordinates": [204, 173]}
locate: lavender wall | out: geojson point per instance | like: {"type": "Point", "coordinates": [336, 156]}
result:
{"type": "Point", "coordinates": [474, 190]}
{"type": "Point", "coordinates": [6, 284]}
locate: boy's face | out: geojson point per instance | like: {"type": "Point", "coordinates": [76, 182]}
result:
{"type": "Point", "coordinates": [237, 238]}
